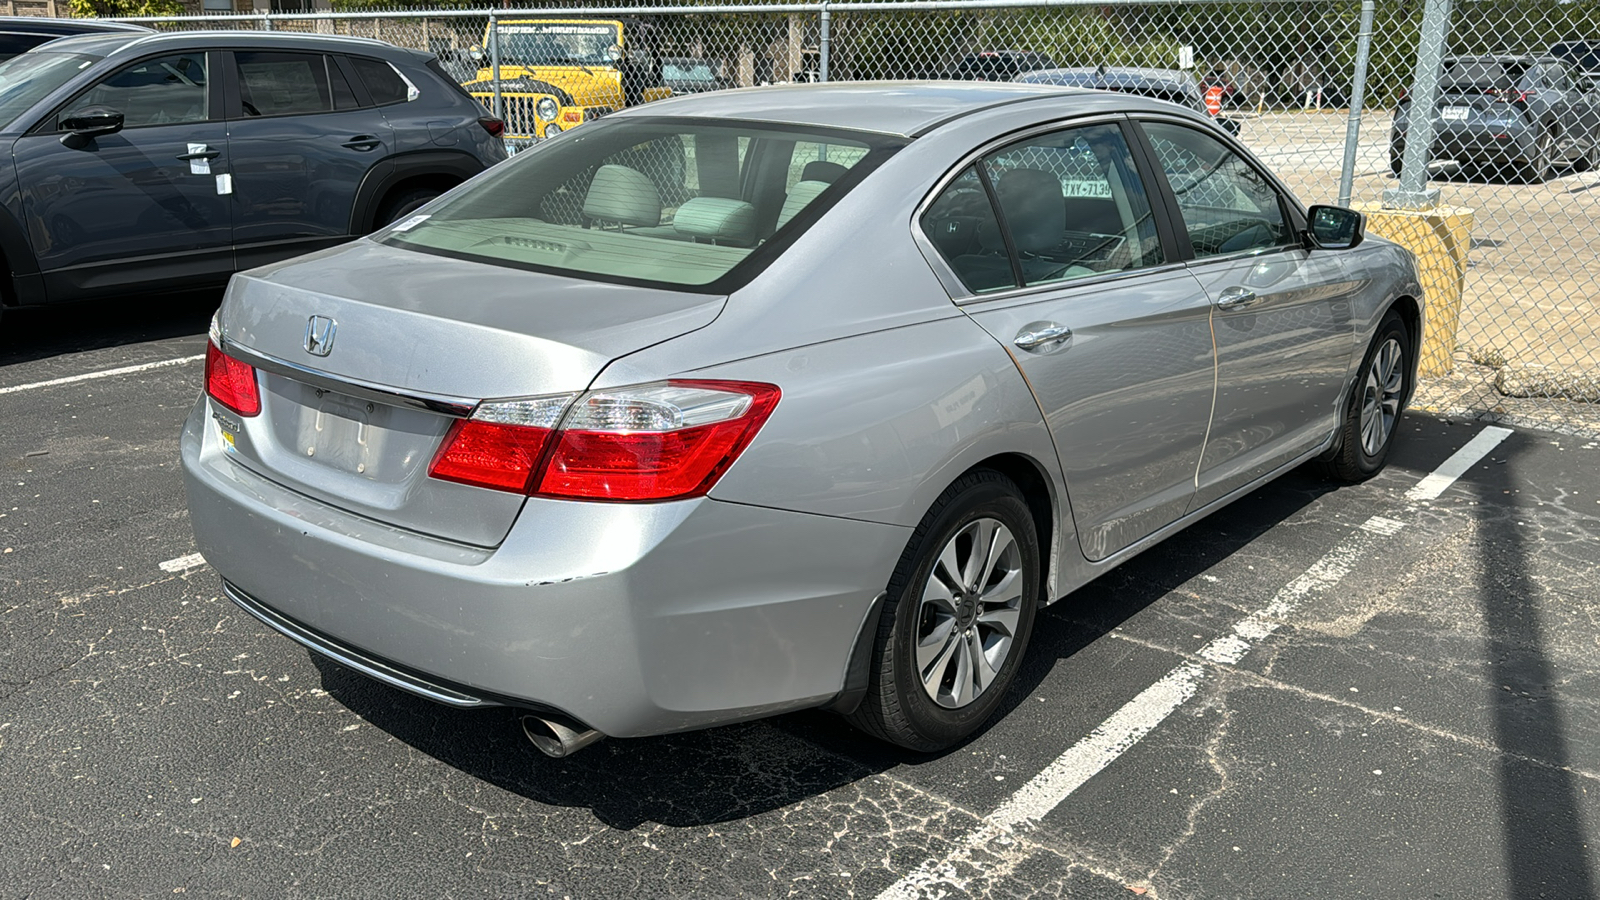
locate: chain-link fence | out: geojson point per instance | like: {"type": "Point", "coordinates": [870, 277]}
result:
{"type": "Point", "coordinates": [1516, 123]}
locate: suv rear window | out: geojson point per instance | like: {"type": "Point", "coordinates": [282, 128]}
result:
{"type": "Point", "coordinates": [1484, 74]}
{"type": "Point", "coordinates": [677, 203]}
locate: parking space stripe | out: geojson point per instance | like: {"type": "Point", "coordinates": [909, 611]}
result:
{"type": "Point", "coordinates": [1140, 716]}
{"type": "Point", "coordinates": [108, 373]}
{"type": "Point", "coordinates": [183, 563]}
{"type": "Point", "coordinates": [1457, 465]}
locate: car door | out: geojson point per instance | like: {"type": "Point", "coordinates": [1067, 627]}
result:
{"type": "Point", "coordinates": [1073, 280]}
{"type": "Point", "coordinates": [302, 140]}
{"type": "Point", "coordinates": [138, 206]}
{"type": "Point", "coordinates": [1282, 317]}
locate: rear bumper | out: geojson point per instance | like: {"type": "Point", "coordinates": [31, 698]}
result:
{"type": "Point", "coordinates": [1478, 141]}
{"type": "Point", "coordinates": [634, 619]}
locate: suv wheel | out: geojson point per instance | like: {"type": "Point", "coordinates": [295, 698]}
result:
{"type": "Point", "coordinates": [404, 204]}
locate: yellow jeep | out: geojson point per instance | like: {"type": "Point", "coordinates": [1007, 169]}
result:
{"type": "Point", "coordinates": [559, 73]}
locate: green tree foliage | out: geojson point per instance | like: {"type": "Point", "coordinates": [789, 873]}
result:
{"type": "Point", "coordinates": [112, 9]}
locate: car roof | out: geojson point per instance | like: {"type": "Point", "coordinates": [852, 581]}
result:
{"type": "Point", "coordinates": [904, 108]}
{"type": "Point", "coordinates": [1119, 74]}
{"type": "Point", "coordinates": [107, 44]}
{"type": "Point", "coordinates": [44, 25]}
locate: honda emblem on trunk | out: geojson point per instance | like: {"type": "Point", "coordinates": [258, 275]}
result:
{"type": "Point", "coordinates": [319, 335]}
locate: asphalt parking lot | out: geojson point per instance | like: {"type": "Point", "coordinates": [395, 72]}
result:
{"type": "Point", "coordinates": [1363, 692]}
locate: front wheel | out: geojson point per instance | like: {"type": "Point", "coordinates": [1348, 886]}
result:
{"type": "Point", "coordinates": [1383, 383]}
{"type": "Point", "coordinates": [959, 614]}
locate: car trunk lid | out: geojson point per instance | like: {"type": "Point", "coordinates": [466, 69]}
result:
{"type": "Point", "coordinates": [367, 354]}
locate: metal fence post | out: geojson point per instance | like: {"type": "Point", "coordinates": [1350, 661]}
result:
{"type": "Point", "coordinates": [823, 42]}
{"type": "Point", "coordinates": [494, 64]}
{"type": "Point", "coordinates": [1358, 96]}
{"type": "Point", "coordinates": [1413, 192]}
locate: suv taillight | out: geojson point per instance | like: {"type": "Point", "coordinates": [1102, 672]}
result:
{"type": "Point", "coordinates": [495, 127]}
{"type": "Point", "coordinates": [654, 442]}
{"type": "Point", "coordinates": [231, 383]}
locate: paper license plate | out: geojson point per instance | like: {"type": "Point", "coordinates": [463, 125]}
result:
{"type": "Point", "coordinates": [1456, 113]}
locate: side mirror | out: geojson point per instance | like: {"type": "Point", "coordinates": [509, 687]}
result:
{"type": "Point", "coordinates": [1334, 227]}
{"type": "Point", "coordinates": [84, 125]}
{"type": "Point", "coordinates": [477, 53]}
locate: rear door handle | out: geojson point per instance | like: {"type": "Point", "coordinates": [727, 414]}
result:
{"type": "Point", "coordinates": [207, 153]}
{"type": "Point", "coordinates": [362, 142]}
{"type": "Point", "coordinates": [1042, 337]}
{"type": "Point", "coordinates": [1237, 298]}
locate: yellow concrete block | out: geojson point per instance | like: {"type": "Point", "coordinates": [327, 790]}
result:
{"type": "Point", "coordinates": [1440, 239]}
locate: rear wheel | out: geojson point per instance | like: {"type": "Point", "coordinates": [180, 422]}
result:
{"type": "Point", "coordinates": [1541, 167]}
{"type": "Point", "coordinates": [1373, 410]}
{"type": "Point", "coordinates": [404, 203]}
{"type": "Point", "coordinates": [959, 614]}
{"type": "Point", "coordinates": [1396, 160]}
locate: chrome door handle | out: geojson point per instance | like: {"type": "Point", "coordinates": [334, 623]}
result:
{"type": "Point", "coordinates": [1236, 298]}
{"type": "Point", "coordinates": [1042, 337]}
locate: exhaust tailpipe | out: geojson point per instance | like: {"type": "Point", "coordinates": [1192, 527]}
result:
{"type": "Point", "coordinates": [558, 737]}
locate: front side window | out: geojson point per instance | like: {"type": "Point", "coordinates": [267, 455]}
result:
{"type": "Point", "coordinates": [557, 43]}
{"type": "Point", "coordinates": [283, 84]}
{"type": "Point", "coordinates": [653, 201]}
{"type": "Point", "coordinates": [167, 90]}
{"type": "Point", "coordinates": [1227, 205]}
{"type": "Point", "coordinates": [1072, 205]}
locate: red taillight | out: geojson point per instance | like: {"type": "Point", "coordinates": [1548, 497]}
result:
{"type": "Point", "coordinates": [231, 382]}
{"type": "Point", "coordinates": [495, 127]}
{"type": "Point", "coordinates": [491, 455]}
{"type": "Point", "coordinates": [655, 442]}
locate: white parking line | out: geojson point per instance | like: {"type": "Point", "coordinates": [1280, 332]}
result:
{"type": "Point", "coordinates": [183, 563]}
{"type": "Point", "coordinates": [1139, 716]}
{"type": "Point", "coordinates": [1457, 465]}
{"type": "Point", "coordinates": [108, 373]}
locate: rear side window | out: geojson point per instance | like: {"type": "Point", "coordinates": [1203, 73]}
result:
{"type": "Point", "coordinates": [13, 44]}
{"type": "Point", "coordinates": [1071, 203]}
{"type": "Point", "coordinates": [382, 81]}
{"type": "Point", "coordinates": [680, 203]}
{"type": "Point", "coordinates": [283, 84]}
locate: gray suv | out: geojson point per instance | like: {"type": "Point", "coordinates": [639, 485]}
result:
{"type": "Point", "coordinates": [1519, 115]}
{"type": "Point", "coordinates": [144, 162]}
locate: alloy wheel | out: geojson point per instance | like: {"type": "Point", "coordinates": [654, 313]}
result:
{"type": "Point", "coordinates": [968, 616]}
{"type": "Point", "coordinates": [1380, 402]}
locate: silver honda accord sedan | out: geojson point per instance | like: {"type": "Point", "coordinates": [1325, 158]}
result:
{"type": "Point", "coordinates": [782, 398]}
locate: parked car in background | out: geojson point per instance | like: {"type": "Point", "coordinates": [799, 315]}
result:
{"type": "Point", "coordinates": [1171, 85]}
{"type": "Point", "coordinates": [998, 65]}
{"type": "Point", "coordinates": [19, 34]}
{"type": "Point", "coordinates": [1583, 56]}
{"type": "Point", "coordinates": [818, 421]}
{"type": "Point", "coordinates": [1509, 115]}
{"type": "Point", "coordinates": [159, 162]}
{"type": "Point", "coordinates": [690, 75]}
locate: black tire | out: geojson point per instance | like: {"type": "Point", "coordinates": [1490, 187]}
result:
{"type": "Point", "coordinates": [1353, 460]}
{"type": "Point", "coordinates": [398, 206]}
{"type": "Point", "coordinates": [1541, 167]}
{"type": "Point", "coordinates": [898, 708]}
{"type": "Point", "coordinates": [1396, 160]}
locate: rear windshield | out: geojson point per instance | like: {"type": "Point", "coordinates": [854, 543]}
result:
{"type": "Point", "coordinates": [695, 204]}
{"type": "Point", "coordinates": [1484, 74]}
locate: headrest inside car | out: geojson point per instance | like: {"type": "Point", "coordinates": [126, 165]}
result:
{"type": "Point", "coordinates": [1034, 208]}
{"type": "Point", "coordinates": [622, 196]}
{"type": "Point", "coordinates": [717, 219]}
{"type": "Point", "coordinates": [822, 170]}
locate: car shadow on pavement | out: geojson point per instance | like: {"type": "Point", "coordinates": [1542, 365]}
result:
{"type": "Point", "coordinates": [1542, 821]}
{"type": "Point", "coordinates": [47, 331]}
{"type": "Point", "coordinates": [738, 771]}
